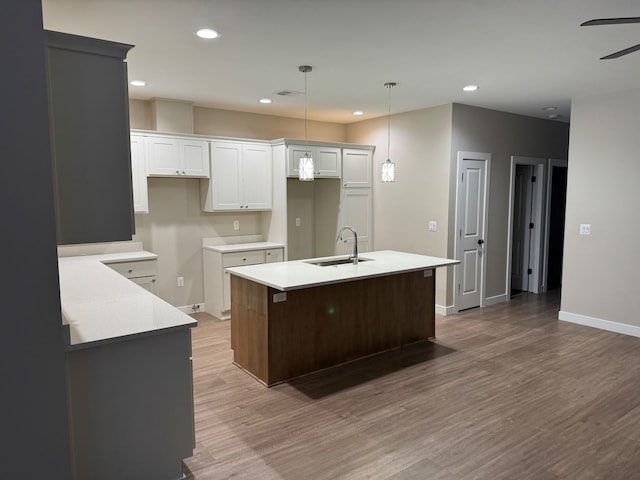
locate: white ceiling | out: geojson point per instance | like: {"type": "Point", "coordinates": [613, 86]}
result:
{"type": "Point", "coordinates": [524, 54]}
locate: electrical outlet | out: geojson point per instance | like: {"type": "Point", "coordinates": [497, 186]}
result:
{"type": "Point", "coordinates": [236, 225]}
{"type": "Point", "coordinates": [181, 281]}
{"type": "Point", "coordinates": [297, 221]}
{"type": "Point", "coordinates": [433, 226]}
{"type": "Point", "coordinates": [585, 229]}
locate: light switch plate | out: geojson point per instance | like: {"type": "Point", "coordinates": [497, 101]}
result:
{"type": "Point", "coordinates": [585, 229]}
{"type": "Point", "coordinates": [433, 226]}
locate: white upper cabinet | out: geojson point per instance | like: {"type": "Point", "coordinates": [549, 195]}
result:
{"type": "Point", "coordinates": [177, 157]}
{"type": "Point", "coordinates": [240, 177]}
{"type": "Point", "coordinates": [356, 168]}
{"type": "Point", "coordinates": [139, 174]}
{"type": "Point", "coordinates": [327, 161]}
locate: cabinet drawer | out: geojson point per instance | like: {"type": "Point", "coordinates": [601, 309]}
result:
{"type": "Point", "coordinates": [144, 268]}
{"type": "Point", "coordinates": [237, 259]}
{"type": "Point", "coordinates": [274, 255]}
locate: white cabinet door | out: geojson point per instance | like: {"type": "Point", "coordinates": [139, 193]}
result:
{"type": "Point", "coordinates": [327, 161]}
{"type": "Point", "coordinates": [356, 212]}
{"type": "Point", "coordinates": [163, 156]}
{"type": "Point", "coordinates": [139, 174]}
{"type": "Point", "coordinates": [273, 255]}
{"type": "Point", "coordinates": [148, 283]}
{"type": "Point", "coordinates": [177, 157]}
{"type": "Point", "coordinates": [256, 177]}
{"type": "Point", "coordinates": [294, 153]}
{"type": "Point", "coordinates": [356, 168]}
{"type": "Point", "coordinates": [194, 158]}
{"type": "Point", "coordinates": [240, 178]}
{"type": "Point", "coordinates": [226, 181]}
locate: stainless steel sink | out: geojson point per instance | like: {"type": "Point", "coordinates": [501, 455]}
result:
{"type": "Point", "coordinates": [336, 261]}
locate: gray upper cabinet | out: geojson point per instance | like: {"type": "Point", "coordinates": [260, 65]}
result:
{"type": "Point", "coordinates": [89, 121]}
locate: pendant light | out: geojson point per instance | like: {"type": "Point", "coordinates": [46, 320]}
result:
{"type": "Point", "coordinates": [305, 164]}
{"type": "Point", "coordinates": [389, 167]}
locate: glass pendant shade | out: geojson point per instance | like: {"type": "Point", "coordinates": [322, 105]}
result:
{"type": "Point", "coordinates": [305, 168]}
{"type": "Point", "coordinates": [388, 171]}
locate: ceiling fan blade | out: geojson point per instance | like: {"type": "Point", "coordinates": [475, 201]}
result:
{"type": "Point", "coordinates": [621, 53]}
{"type": "Point", "coordinates": [611, 21]}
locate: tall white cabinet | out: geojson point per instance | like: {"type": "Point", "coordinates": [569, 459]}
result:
{"type": "Point", "coordinates": [356, 203]}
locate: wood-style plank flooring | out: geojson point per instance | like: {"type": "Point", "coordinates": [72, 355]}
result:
{"type": "Point", "coordinates": [505, 392]}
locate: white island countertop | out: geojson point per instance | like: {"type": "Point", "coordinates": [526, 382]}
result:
{"type": "Point", "coordinates": [299, 274]}
{"type": "Point", "coordinates": [99, 305]}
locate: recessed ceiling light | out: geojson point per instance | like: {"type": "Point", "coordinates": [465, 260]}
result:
{"type": "Point", "coordinates": [207, 33]}
{"type": "Point", "coordinates": [553, 116]}
{"type": "Point", "coordinates": [265, 100]}
{"type": "Point", "coordinates": [138, 83]}
{"type": "Point", "coordinates": [357, 113]}
{"type": "Point", "coordinates": [549, 109]}
{"type": "Point", "coordinates": [470, 88]}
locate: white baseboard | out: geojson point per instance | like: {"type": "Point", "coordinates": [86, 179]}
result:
{"type": "Point", "coordinates": [495, 300]}
{"type": "Point", "coordinates": [188, 309]}
{"type": "Point", "coordinates": [442, 310]}
{"type": "Point", "coordinates": [599, 323]}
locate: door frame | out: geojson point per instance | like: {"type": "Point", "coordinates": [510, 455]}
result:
{"type": "Point", "coordinates": [552, 162]}
{"type": "Point", "coordinates": [537, 245]}
{"type": "Point", "coordinates": [486, 157]}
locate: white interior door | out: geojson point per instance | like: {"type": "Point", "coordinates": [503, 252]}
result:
{"type": "Point", "coordinates": [472, 188]}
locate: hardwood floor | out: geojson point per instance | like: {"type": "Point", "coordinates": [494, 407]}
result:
{"type": "Point", "coordinates": [504, 392]}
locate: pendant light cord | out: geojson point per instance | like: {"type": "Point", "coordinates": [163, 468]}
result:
{"type": "Point", "coordinates": [389, 125]}
{"type": "Point", "coordinates": [305, 110]}
{"type": "Point", "coordinates": [389, 85]}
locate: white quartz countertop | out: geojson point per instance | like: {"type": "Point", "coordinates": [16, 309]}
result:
{"type": "Point", "coordinates": [298, 274]}
{"type": "Point", "coordinates": [242, 247]}
{"type": "Point", "coordinates": [99, 305]}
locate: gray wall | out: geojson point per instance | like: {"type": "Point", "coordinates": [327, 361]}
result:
{"type": "Point", "coordinates": [600, 272]}
{"type": "Point", "coordinates": [502, 135]}
{"type": "Point", "coordinates": [34, 425]}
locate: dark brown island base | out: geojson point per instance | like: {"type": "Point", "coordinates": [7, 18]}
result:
{"type": "Point", "coordinates": [293, 318]}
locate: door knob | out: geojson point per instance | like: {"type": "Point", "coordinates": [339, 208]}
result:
{"type": "Point", "coordinates": [480, 242]}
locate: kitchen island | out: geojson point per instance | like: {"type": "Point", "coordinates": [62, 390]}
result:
{"type": "Point", "coordinates": [293, 318]}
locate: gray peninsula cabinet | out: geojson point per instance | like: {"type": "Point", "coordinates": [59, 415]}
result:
{"type": "Point", "coordinates": [89, 122]}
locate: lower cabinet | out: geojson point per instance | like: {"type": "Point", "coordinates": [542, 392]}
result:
{"type": "Point", "coordinates": [131, 407]}
{"type": "Point", "coordinates": [217, 281]}
{"type": "Point", "coordinates": [142, 272]}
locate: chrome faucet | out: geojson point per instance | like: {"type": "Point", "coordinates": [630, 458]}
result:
{"type": "Point", "coordinates": [354, 255]}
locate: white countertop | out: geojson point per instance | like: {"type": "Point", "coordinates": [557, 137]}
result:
{"type": "Point", "coordinates": [301, 274]}
{"type": "Point", "coordinates": [99, 305]}
{"type": "Point", "coordinates": [242, 247]}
